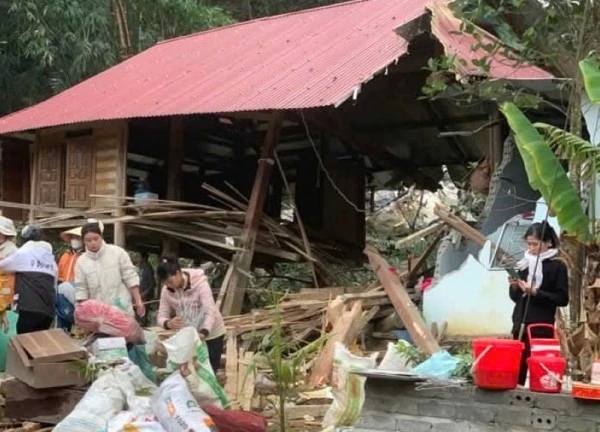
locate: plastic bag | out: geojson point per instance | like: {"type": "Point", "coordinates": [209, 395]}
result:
{"type": "Point", "coordinates": [127, 421]}
{"type": "Point", "coordinates": [394, 361]}
{"type": "Point", "coordinates": [176, 409]}
{"type": "Point", "coordinates": [103, 401]}
{"type": "Point", "coordinates": [236, 420]}
{"type": "Point", "coordinates": [439, 365]}
{"type": "Point", "coordinates": [186, 352]}
{"type": "Point", "coordinates": [97, 317]}
{"type": "Point", "coordinates": [348, 389]}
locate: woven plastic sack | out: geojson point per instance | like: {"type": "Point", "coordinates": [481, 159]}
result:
{"type": "Point", "coordinates": [176, 409]}
{"type": "Point", "coordinates": [190, 355]}
{"type": "Point", "coordinates": [236, 420]}
{"type": "Point", "coordinates": [127, 421]}
{"type": "Point", "coordinates": [348, 388]}
{"type": "Point", "coordinates": [103, 401]}
{"type": "Point", "coordinates": [97, 317]}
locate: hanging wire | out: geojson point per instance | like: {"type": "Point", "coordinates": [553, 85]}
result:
{"type": "Point", "coordinates": [325, 171]}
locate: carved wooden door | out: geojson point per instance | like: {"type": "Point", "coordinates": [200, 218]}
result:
{"type": "Point", "coordinates": [79, 171]}
{"type": "Point", "coordinates": [49, 173]}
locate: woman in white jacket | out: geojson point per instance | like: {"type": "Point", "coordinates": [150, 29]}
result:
{"type": "Point", "coordinates": [105, 273]}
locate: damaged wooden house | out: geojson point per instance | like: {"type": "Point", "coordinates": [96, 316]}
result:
{"type": "Point", "coordinates": [331, 95]}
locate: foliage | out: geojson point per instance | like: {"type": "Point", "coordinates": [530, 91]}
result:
{"type": "Point", "coordinates": [546, 174]}
{"type": "Point", "coordinates": [49, 45]}
{"type": "Point", "coordinates": [411, 353]}
{"type": "Point", "coordinates": [285, 361]}
{"type": "Point", "coordinates": [572, 148]}
{"type": "Point", "coordinates": [243, 10]}
{"type": "Point", "coordinates": [591, 78]}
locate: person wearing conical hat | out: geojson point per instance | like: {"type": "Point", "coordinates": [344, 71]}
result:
{"type": "Point", "coordinates": [67, 261]}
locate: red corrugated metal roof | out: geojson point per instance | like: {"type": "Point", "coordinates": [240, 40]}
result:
{"type": "Point", "coordinates": [305, 59]}
{"type": "Point", "coordinates": [447, 29]}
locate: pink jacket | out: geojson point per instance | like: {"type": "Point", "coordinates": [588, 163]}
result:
{"type": "Point", "coordinates": [196, 300]}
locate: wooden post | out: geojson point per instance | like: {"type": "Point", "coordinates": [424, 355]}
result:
{"type": "Point", "coordinates": [119, 229]}
{"type": "Point", "coordinates": [174, 174]}
{"type": "Point", "coordinates": [234, 284]}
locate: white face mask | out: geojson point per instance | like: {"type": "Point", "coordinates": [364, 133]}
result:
{"type": "Point", "coordinates": [76, 244]}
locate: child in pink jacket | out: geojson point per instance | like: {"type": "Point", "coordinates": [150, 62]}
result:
{"type": "Point", "coordinates": [186, 300]}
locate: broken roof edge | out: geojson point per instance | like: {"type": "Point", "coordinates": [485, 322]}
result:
{"type": "Point", "coordinates": [431, 22]}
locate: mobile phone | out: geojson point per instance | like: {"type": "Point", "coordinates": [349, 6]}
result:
{"type": "Point", "coordinates": [513, 273]}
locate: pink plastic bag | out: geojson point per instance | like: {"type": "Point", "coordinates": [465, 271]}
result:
{"type": "Point", "coordinates": [98, 317]}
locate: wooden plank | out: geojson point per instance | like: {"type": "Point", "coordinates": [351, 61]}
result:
{"type": "Point", "coordinates": [231, 366]}
{"type": "Point", "coordinates": [419, 235]}
{"type": "Point", "coordinates": [232, 299]}
{"type": "Point", "coordinates": [249, 381]}
{"type": "Point", "coordinates": [49, 406]}
{"type": "Point", "coordinates": [299, 412]}
{"type": "Point", "coordinates": [121, 181]}
{"type": "Point", "coordinates": [406, 309]}
{"type": "Point", "coordinates": [345, 330]}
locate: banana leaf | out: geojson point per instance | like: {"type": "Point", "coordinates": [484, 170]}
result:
{"type": "Point", "coordinates": [572, 148]}
{"type": "Point", "coordinates": [591, 78]}
{"type": "Point", "coordinates": [546, 174]}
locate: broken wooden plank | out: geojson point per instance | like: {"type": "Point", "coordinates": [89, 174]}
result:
{"type": "Point", "coordinates": [231, 366]}
{"type": "Point", "coordinates": [345, 330]}
{"type": "Point", "coordinates": [406, 309]}
{"type": "Point", "coordinates": [419, 235]}
{"type": "Point", "coordinates": [246, 393]}
{"type": "Point", "coordinates": [47, 406]}
{"type": "Point", "coordinates": [233, 299]}
{"type": "Point", "coordinates": [300, 412]}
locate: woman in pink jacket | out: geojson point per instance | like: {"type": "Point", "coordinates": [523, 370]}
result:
{"type": "Point", "coordinates": [186, 300]}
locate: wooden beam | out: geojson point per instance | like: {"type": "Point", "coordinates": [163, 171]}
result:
{"type": "Point", "coordinates": [234, 285]}
{"type": "Point", "coordinates": [119, 229]}
{"type": "Point", "coordinates": [406, 309]}
{"type": "Point", "coordinates": [174, 174]}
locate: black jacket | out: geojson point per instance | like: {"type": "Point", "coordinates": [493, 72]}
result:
{"type": "Point", "coordinates": [553, 293]}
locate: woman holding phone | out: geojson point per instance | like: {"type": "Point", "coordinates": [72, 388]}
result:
{"type": "Point", "coordinates": [541, 287]}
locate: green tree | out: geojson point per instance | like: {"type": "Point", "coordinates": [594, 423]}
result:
{"type": "Point", "coordinates": [49, 45]}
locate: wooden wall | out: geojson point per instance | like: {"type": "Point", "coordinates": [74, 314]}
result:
{"type": "Point", "coordinates": [71, 165]}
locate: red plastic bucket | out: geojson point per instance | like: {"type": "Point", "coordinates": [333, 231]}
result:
{"type": "Point", "coordinates": [497, 363]}
{"type": "Point", "coordinates": [546, 373]}
{"type": "Point", "coordinates": [544, 346]}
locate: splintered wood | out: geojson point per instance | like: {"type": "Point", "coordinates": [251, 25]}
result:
{"type": "Point", "coordinates": [406, 309]}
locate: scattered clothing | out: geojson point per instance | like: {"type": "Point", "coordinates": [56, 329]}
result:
{"type": "Point", "coordinates": [108, 276]}
{"type": "Point", "coordinates": [197, 295]}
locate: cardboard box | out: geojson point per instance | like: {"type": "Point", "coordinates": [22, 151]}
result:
{"type": "Point", "coordinates": [46, 359]}
{"type": "Point", "coordinates": [110, 350]}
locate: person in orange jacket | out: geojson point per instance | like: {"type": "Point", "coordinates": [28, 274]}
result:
{"type": "Point", "coordinates": [67, 261]}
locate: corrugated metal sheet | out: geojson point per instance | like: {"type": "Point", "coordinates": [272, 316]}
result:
{"type": "Point", "coordinates": [299, 60]}
{"type": "Point", "coordinates": [447, 29]}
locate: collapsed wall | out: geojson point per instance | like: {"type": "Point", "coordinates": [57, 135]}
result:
{"type": "Point", "coordinates": [398, 406]}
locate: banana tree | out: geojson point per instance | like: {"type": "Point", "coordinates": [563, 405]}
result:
{"type": "Point", "coordinates": [546, 174]}
{"type": "Point", "coordinates": [538, 143]}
